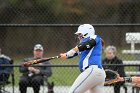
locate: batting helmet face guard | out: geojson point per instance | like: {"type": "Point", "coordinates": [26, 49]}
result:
{"type": "Point", "coordinates": [85, 30]}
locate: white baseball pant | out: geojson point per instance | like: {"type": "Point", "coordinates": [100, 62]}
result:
{"type": "Point", "coordinates": [91, 79]}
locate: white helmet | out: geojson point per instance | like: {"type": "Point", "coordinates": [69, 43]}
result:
{"type": "Point", "coordinates": [86, 30]}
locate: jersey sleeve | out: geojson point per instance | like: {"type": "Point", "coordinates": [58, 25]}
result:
{"type": "Point", "coordinates": [96, 38]}
{"type": "Point", "coordinates": [73, 56]}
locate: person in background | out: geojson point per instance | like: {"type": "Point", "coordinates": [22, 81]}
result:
{"type": "Point", "coordinates": [33, 76]}
{"type": "Point", "coordinates": [111, 58]}
{"type": "Point", "coordinates": [5, 71]}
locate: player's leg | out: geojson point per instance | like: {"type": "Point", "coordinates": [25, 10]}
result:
{"type": "Point", "coordinates": [97, 89]}
{"type": "Point", "coordinates": [79, 84]}
{"type": "Point", "coordinates": [91, 77]}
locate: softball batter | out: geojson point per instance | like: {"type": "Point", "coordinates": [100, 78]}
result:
{"type": "Point", "coordinates": [89, 49]}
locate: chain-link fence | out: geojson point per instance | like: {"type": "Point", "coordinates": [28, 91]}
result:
{"type": "Point", "coordinates": [18, 43]}
{"type": "Point", "coordinates": [52, 23]}
{"type": "Point", "coordinates": [20, 40]}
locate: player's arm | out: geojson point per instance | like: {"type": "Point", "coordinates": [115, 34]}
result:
{"type": "Point", "coordinates": [66, 56]}
{"type": "Point", "coordinates": [134, 79]}
{"type": "Point", "coordinates": [86, 45]}
{"type": "Point", "coordinates": [80, 47]}
{"type": "Point", "coordinates": [83, 46]}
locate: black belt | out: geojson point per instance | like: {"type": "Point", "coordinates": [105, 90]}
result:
{"type": "Point", "coordinates": [88, 67]}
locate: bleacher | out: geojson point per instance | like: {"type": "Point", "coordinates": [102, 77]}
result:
{"type": "Point", "coordinates": [132, 39]}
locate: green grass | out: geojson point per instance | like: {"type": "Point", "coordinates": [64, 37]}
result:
{"type": "Point", "coordinates": [64, 76]}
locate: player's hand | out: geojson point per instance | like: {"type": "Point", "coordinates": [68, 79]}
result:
{"type": "Point", "coordinates": [136, 85]}
{"type": "Point", "coordinates": [136, 79]}
{"type": "Point", "coordinates": [63, 56]}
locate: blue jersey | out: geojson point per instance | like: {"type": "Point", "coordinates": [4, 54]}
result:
{"type": "Point", "coordinates": [92, 56]}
